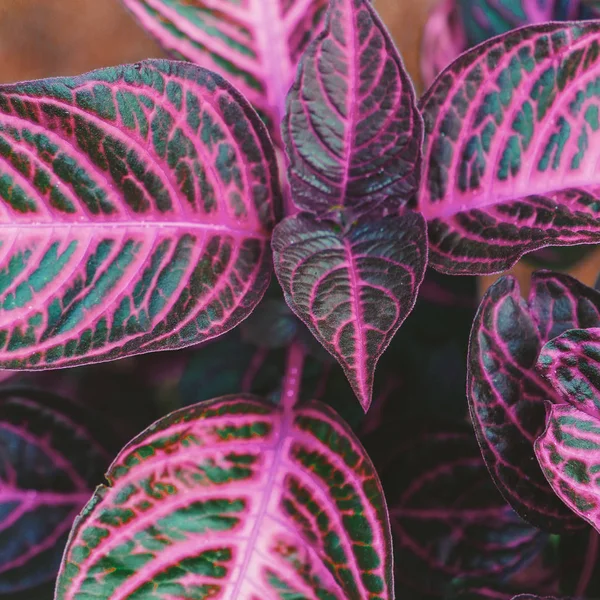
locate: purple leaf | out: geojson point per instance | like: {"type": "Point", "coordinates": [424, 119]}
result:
{"type": "Point", "coordinates": [443, 40]}
{"type": "Point", "coordinates": [137, 206]}
{"type": "Point", "coordinates": [510, 149]}
{"type": "Point", "coordinates": [50, 461]}
{"type": "Point", "coordinates": [571, 364]}
{"type": "Point", "coordinates": [235, 498]}
{"type": "Point", "coordinates": [448, 519]}
{"type": "Point", "coordinates": [569, 453]}
{"type": "Point", "coordinates": [352, 129]}
{"type": "Point", "coordinates": [353, 289]}
{"type": "Point", "coordinates": [254, 44]}
{"type": "Point", "coordinates": [506, 394]}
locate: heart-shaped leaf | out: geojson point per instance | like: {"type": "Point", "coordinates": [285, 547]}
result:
{"type": "Point", "coordinates": [511, 144]}
{"type": "Point", "coordinates": [236, 498]}
{"type": "Point", "coordinates": [352, 129]}
{"type": "Point", "coordinates": [50, 461]}
{"type": "Point", "coordinates": [569, 453]}
{"type": "Point", "coordinates": [352, 289]}
{"type": "Point", "coordinates": [448, 519]}
{"type": "Point", "coordinates": [137, 205]}
{"type": "Point", "coordinates": [506, 393]}
{"type": "Point", "coordinates": [571, 363]}
{"type": "Point", "coordinates": [254, 44]}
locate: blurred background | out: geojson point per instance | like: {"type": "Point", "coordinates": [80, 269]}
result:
{"type": "Point", "coordinates": [43, 38]}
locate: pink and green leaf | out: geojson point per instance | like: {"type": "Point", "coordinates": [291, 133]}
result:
{"type": "Point", "coordinates": [448, 519]}
{"type": "Point", "coordinates": [50, 461]}
{"type": "Point", "coordinates": [571, 364]}
{"type": "Point", "coordinates": [352, 129]}
{"type": "Point", "coordinates": [352, 289]}
{"type": "Point", "coordinates": [506, 393]}
{"type": "Point", "coordinates": [237, 498]}
{"type": "Point", "coordinates": [254, 44]}
{"type": "Point", "coordinates": [569, 454]}
{"type": "Point", "coordinates": [136, 209]}
{"type": "Point", "coordinates": [511, 139]}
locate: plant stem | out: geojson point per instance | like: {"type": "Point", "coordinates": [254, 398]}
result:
{"type": "Point", "coordinates": [293, 376]}
{"type": "Point", "coordinates": [588, 565]}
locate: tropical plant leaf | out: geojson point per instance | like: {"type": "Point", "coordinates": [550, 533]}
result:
{"type": "Point", "coordinates": [254, 44]}
{"type": "Point", "coordinates": [137, 205]}
{"type": "Point", "coordinates": [448, 519]}
{"type": "Point", "coordinates": [484, 19]}
{"type": "Point", "coordinates": [444, 39]}
{"type": "Point", "coordinates": [506, 393]}
{"type": "Point", "coordinates": [352, 129]}
{"type": "Point", "coordinates": [50, 460]}
{"type": "Point", "coordinates": [510, 149]}
{"type": "Point", "coordinates": [571, 364]}
{"type": "Point", "coordinates": [237, 497]}
{"type": "Point", "coordinates": [352, 289]}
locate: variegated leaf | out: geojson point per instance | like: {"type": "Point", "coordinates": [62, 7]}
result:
{"type": "Point", "coordinates": [352, 130]}
{"type": "Point", "coordinates": [506, 393]}
{"type": "Point", "coordinates": [255, 44]}
{"type": "Point", "coordinates": [50, 460]}
{"type": "Point", "coordinates": [235, 498]}
{"type": "Point", "coordinates": [569, 453]}
{"type": "Point", "coordinates": [136, 205]}
{"type": "Point", "coordinates": [511, 145]}
{"type": "Point", "coordinates": [352, 289]}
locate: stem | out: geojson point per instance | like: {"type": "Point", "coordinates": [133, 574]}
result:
{"type": "Point", "coordinates": [589, 564]}
{"type": "Point", "coordinates": [293, 376]}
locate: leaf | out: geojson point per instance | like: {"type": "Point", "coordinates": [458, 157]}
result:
{"type": "Point", "coordinates": [444, 39]}
{"type": "Point", "coordinates": [253, 44]}
{"type": "Point", "coordinates": [352, 289]}
{"type": "Point", "coordinates": [484, 19]}
{"type": "Point", "coordinates": [448, 519]}
{"type": "Point", "coordinates": [235, 497]}
{"type": "Point", "coordinates": [571, 364]}
{"type": "Point", "coordinates": [505, 392]}
{"type": "Point", "coordinates": [352, 130]}
{"type": "Point", "coordinates": [50, 459]}
{"type": "Point", "coordinates": [137, 208]}
{"type": "Point", "coordinates": [580, 564]}
{"type": "Point", "coordinates": [568, 454]}
{"type": "Point", "coordinates": [510, 149]}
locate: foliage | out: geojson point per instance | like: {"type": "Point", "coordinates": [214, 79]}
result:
{"type": "Point", "coordinates": [306, 436]}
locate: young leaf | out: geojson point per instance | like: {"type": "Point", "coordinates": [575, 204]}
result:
{"type": "Point", "coordinates": [569, 453]}
{"type": "Point", "coordinates": [254, 44]}
{"type": "Point", "coordinates": [571, 364]}
{"type": "Point", "coordinates": [352, 129]}
{"type": "Point", "coordinates": [448, 519]}
{"type": "Point", "coordinates": [505, 392]}
{"type": "Point", "coordinates": [137, 208]}
{"type": "Point", "coordinates": [237, 498]}
{"type": "Point", "coordinates": [50, 460]}
{"type": "Point", "coordinates": [352, 289]}
{"type": "Point", "coordinates": [511, 145]}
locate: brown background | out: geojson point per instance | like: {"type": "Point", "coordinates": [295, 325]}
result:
{"type": "Point", "coordinates": [42, 38]}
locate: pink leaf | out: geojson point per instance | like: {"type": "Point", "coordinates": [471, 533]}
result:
{"type": "Point", "coordinates": [136, 209]}
{"type": "Point", "coordinates": [235, 498]}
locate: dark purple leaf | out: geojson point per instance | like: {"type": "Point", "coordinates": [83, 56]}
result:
{"type": "Point", "coordinates": [448, 519]}
{"type": "Point", "coordinates": [511, 141]}
{"type": "Point", "coordinates": [352, 129]}
{"type": "Point", "coordinates": [50, 462]}
{"type": "Point", "coordinates": [506, 393]}
{"type": "Point", "coordinates": [354, 288]}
